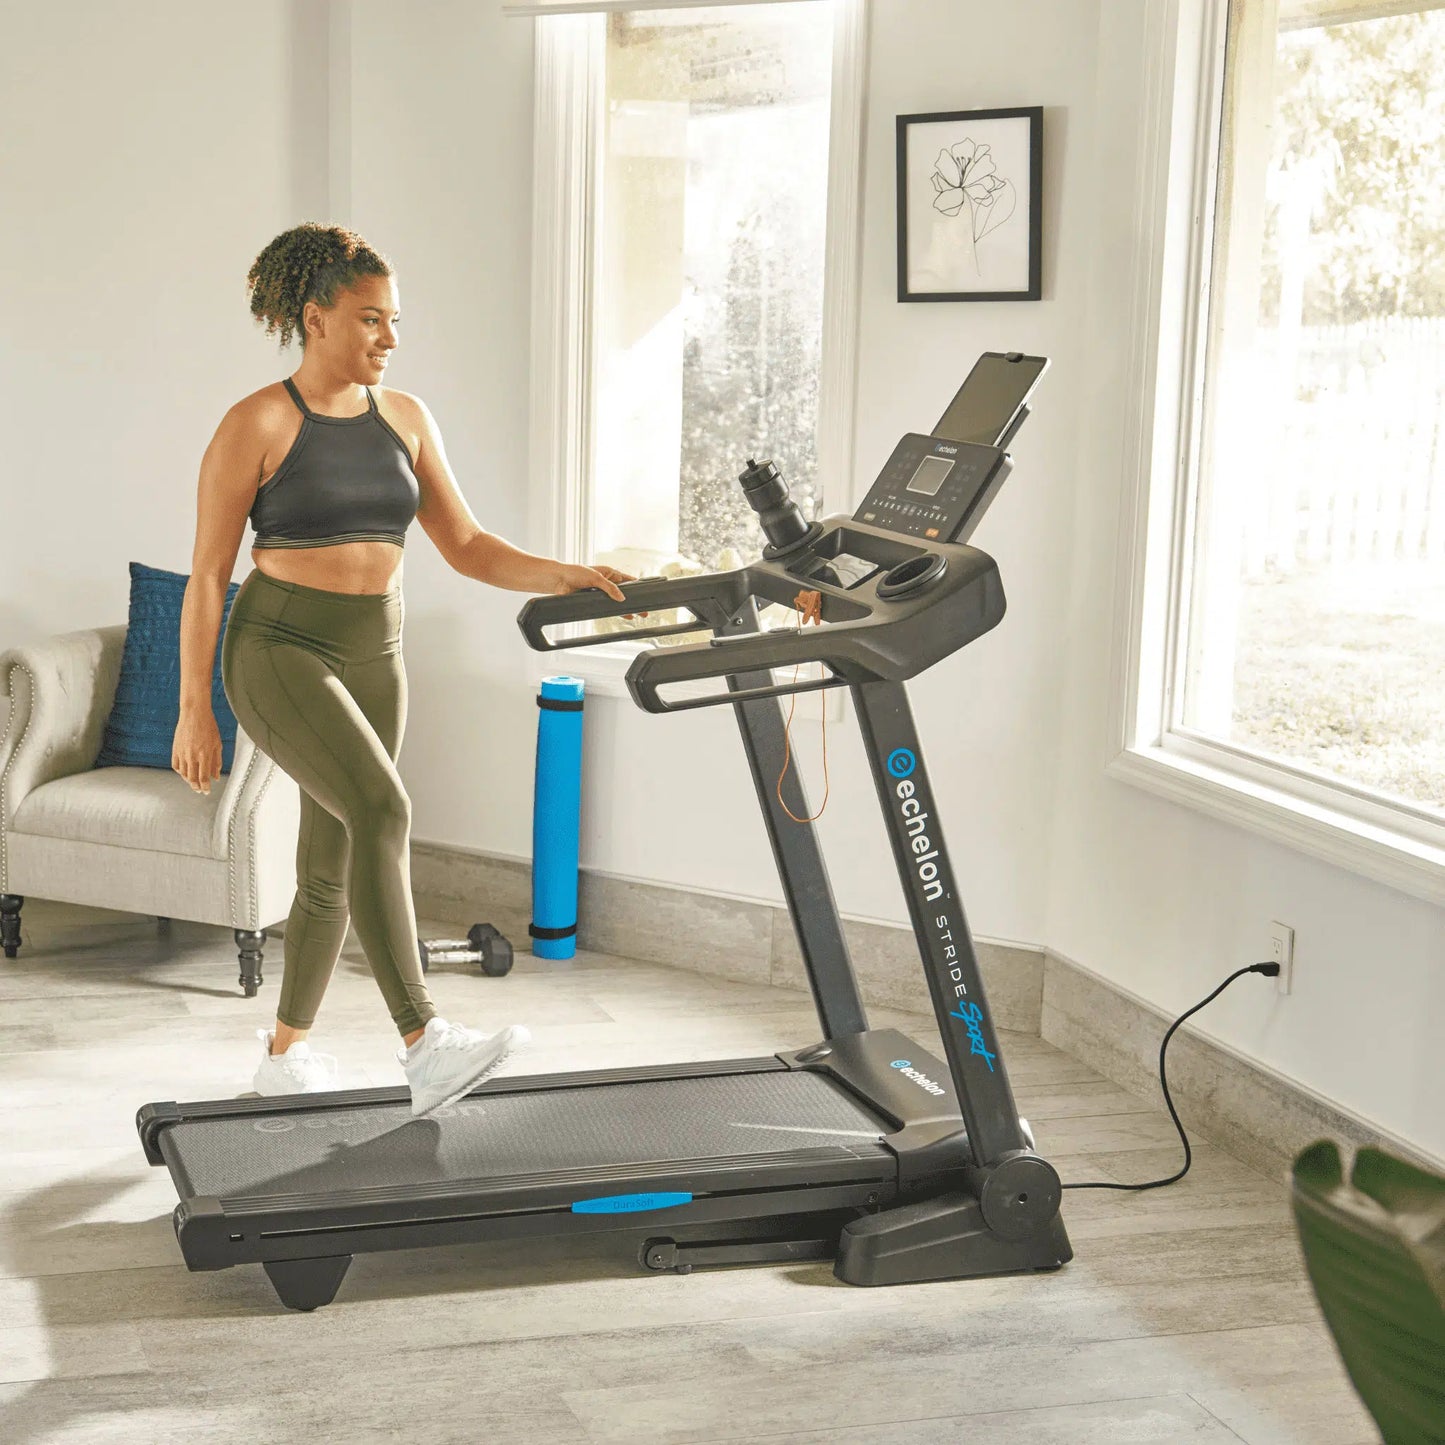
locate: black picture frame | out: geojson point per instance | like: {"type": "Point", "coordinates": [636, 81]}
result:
{"type": "Point", "coordinates": [953, 254]}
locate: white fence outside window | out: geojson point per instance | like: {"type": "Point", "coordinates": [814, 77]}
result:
{"type": "Point", "coordinates": [1357, 471]}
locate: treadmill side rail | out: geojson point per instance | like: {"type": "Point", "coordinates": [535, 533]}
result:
{"type": "Point", "coordinates": [212, 1236]}
{"type": "Point", "coordinates": [889, 1072]}
{"type": "Point", "coordinates": [896, 1077]}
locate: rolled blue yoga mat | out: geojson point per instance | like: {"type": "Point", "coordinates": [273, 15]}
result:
{"type": "Point", "coordinates": [556, 810]}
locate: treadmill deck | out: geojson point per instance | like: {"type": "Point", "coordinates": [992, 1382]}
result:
{"type": "Point", "coordinates": [489, 1137]}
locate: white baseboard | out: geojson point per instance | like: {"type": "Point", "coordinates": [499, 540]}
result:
{"type": "Point", "coordinates": [1256, 1113]}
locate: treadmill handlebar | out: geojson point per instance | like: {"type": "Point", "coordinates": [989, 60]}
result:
{"type": "Point", "coordinates": [713, 597]}
{"type": "Point", "coordinates": [925, 600]}
{"type": "Point", "coordinates": [729, 657]}
{"type": "Point", "coordinates": [888, 637]}
{"type": "Point", "coordinates": [646, 594]}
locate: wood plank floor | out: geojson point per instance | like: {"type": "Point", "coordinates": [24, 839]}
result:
{"type": "Point", "coordinates": [1185, 1315]}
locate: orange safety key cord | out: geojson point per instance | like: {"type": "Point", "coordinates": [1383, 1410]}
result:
{"type": "Point", "coordinates": [809, 606]}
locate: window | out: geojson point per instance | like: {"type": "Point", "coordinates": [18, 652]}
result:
{"type": "Point", "coordinates": [696, 266]}
{"type": "Point", "coordinates": [709, 300]}
{"type": "Point", "coordinates": [1306, 656]}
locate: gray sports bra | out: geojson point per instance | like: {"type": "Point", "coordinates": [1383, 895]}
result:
{"type": "Point", "coordinates": [345, 479]}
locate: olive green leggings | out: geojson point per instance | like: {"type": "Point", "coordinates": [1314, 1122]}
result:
{"type": "Point", "coordinates": [317, 681]}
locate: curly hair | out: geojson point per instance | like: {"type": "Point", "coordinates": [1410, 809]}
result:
{"type": "Point", "coordinates": [310, 262]}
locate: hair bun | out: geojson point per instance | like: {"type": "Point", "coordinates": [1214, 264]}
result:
{"type": "Point", "coordinates": [310, 262]}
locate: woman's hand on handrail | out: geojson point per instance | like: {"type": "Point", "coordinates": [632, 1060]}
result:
{"type": "Point", "coordinates": [573, 577]}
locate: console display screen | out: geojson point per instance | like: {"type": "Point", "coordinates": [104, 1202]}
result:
{"type": "Point", "coordinates": [930, 475]}
{"type": "Point", "coordinates": [844, 570]}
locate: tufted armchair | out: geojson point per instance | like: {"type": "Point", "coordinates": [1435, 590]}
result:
{"type": "Point", "coordinates": [136, 839]}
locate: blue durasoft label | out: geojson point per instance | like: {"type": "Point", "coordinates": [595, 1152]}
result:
{"type": "Point", "coordinates": [630, 1203]}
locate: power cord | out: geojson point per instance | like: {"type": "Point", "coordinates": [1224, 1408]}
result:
{"type": "Point", "coordinates": [1270, 970]}
{"type": "Point", "coordinates": [809, 607]}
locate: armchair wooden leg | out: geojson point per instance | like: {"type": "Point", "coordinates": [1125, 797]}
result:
{"type": "Point", "coordinates": [10, 904]}
{"type": "Point", "coordinates": [250, 942]}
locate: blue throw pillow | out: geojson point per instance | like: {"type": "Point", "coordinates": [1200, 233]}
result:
{"type": "Point", "coordinates": [141, 729]}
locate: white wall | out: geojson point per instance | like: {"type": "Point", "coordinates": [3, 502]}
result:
{"type": "Point", "coordinates": [147, 153]}
{"type": "Point", "coordinates": [1154, 895]}
{"type": "Point", "coordinates": [152, 151]}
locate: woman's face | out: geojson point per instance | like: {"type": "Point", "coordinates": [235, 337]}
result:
{"type": "Point", "coordinates": [359, 332]}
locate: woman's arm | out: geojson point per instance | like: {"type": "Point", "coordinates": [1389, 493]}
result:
{"type": "Point", "coordinates": [448, 521]}
{"type": "Point", "coordinates": [230, 471]}
{"type": "Point", "coordinates": [490, 558]}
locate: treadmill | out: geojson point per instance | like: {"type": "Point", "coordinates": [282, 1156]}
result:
{"type": "Point", "coordinates": [863, 1146]}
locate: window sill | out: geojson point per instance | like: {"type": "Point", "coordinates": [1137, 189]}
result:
{"type": "Point", "coordinates": [604, 670]}
{"type": "Point", "coordinates": [1409, 864]}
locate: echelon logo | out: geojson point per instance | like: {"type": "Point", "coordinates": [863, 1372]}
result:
{"type": "Point", "coordinates": [901, 764]}
{"type": "Point", "coordinates": [905, 1067]}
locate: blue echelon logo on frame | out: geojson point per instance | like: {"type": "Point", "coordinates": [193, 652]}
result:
{"type": "Point", "coordinates": [901, 763]}
{"type": "Point", "coordinates": [905, 1067]}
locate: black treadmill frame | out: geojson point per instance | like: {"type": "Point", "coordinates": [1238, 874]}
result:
{"type": "Point", "coordinates": [777, 1204]}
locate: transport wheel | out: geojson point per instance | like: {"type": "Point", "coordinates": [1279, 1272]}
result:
{"type": "Point", "coordinates": [660, 1255]}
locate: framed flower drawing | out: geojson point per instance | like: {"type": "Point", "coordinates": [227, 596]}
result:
{"type": "Point", "coordinates": [970, 184]}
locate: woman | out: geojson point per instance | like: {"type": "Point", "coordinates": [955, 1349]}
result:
{"type": "Point", "coordinates": [332, 468]}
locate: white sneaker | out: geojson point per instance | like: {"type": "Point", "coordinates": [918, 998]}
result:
{"type": "Point", "coordinates": [297, 1071]}
{"type": "Point", "coordinates": [448, 1060]}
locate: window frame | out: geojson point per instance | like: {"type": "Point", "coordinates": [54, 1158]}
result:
{"type": "Point", "coordinates": [568, 131]}
{"type": "Point", "coordinates": [1165, 462]}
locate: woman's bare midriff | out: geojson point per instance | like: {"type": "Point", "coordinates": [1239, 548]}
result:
{"type": "Point", "coordinates": [346, 567]}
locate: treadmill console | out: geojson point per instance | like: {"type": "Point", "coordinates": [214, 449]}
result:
{"type": "Point", "coordinates": [934, 489]}
{"type": "Point", "coordinates": [938, 487]}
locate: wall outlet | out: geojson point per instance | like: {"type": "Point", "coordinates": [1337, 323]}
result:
{"type": "Point", "coordinates": [1281, 949]}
